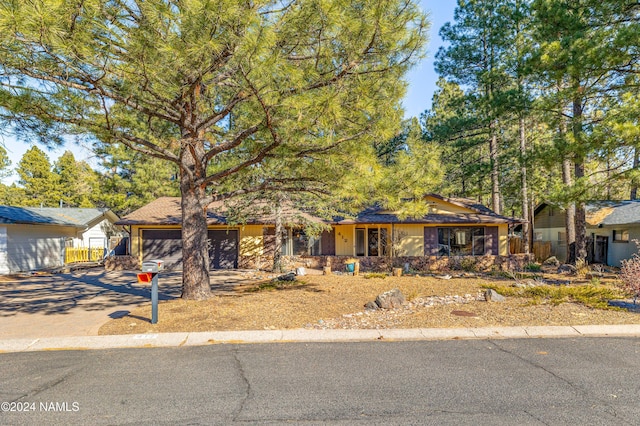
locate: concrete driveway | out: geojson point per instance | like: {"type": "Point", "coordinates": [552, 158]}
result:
{"type": "Point", "coordinates": [79, 303]}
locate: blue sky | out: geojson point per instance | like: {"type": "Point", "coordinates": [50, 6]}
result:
{"type": "Point", "coordinates": [422, 83]}
{"type": "Point", "coordinates": [423, 78]}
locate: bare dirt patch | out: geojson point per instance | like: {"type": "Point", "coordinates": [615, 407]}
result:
{"type": "Point", "coordinates": [337, 301]}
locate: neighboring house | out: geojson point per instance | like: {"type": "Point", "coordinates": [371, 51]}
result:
{"type": "Point", "coordinates": [453, 227]}
{"type": "Point", "coordinates": [611, 228]}
{"type": "Point", "coordinates": [36, 238]}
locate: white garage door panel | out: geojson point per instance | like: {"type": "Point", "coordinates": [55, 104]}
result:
{"type": "Point", "coordinates": [32, 248]}
{"type": "Point", "coordinates": [26, 254]}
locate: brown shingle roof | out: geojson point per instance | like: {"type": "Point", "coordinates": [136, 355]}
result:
{"type": "Point", "coordinates": [373, 215]}
{"type": "Point", "coordinates": [166, 211]}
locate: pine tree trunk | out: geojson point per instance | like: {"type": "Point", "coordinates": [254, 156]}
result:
{"type": "Point", "coordinates": [195, 254]}
{"type": "Point", "coordinates": [580, 217]}
{"type": "Point", "coordinates": [569, 215]}
{"type": "Point", "coordinates": [570, 210]}
{"type": "Point", "coordinates": [636, 164]}
{"type": "Point", "coordinates": [277, 253]}
{"type": "Point", "coordinates": [495, 176]}
{"type": "Point", "coordinates": [523, 179]}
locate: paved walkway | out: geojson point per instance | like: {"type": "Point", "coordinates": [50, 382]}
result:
{"type": "Point", "coordinates": [65, 311]}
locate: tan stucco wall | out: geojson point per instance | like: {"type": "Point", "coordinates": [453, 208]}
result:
{"type": "Point", "coordinates": [251, 240]}
{"type": "Point", "coordinates": [345, 240]}
{"type": "Point", "coordinates": [440, 206]}
{"type": "Point", "coordinates": [503, 239]}
{"type": "Point", "coordinates": [409, 240]}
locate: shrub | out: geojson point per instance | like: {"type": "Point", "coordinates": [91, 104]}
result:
{"type": "Point", "coordinates": [630, 274]}
{"type": "Point", "coordinates": [582, 268]}
{"type": "Point", "coordinates": [588, 295]}
{"type": "Point", "coordinates": [468, 264]}
{"type": "Point", "coordinates": [533, 267]}
{"type": "Point", "coordinates": [375, 275]}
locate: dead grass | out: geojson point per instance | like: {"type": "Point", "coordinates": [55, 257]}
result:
{"type": "Point", "coordinates": [337, 302]}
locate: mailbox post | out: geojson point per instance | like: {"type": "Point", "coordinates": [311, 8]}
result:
{"type": "Point", "coordinates": [152, 268]}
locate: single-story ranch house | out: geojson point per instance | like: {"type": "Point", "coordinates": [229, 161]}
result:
{"type": "Point", "coordinates": [612, 226]}
{"type": "Point", "coordinates": [453, 229]}
{"type": "Point", "coordinates": [36, 238]}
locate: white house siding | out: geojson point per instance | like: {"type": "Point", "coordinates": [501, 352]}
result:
{"type": "Point", "coordinates": [94, 237]}
{"type": "Point", "coordinates": [617, 251]}
{"type": "Point", "coordinates": [558, 246]}
{"type": "Point", "coordinates": [4, 260]}
{"type": "Point", "coordinates": [33, 247]}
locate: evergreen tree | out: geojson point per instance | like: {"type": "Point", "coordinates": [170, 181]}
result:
{"type": "Point", "coordinates": [227, 97]}
{"type": "Point", "coordinates": [77, 181]}
{"type": "Point", "coordinates": [578, 65]}
{"type": "Point", "coordinates": [39, 182]}
{"type": "Point", "coordinates": [130, 179]}
{"type": "Point", "coordinates": [5, 163]}
{"type": "Point", "coordinates": [475, 58]}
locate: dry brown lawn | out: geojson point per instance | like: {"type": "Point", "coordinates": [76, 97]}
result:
{"type": "Point", "coordinates": [337, 301]}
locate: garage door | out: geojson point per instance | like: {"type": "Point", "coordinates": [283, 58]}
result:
{"type": "Point", "coordinates": [166, 244]}
{"type": "Point", "coordinates": [223, 249]}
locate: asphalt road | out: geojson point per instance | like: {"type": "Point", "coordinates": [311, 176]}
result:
{"type": "Point", "coordinates": [584, 381]}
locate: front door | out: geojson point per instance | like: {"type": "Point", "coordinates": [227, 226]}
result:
{"type": "Point", "coordinates": [600, 250]}
{"type": "Point", "coordinates": [373, 238]}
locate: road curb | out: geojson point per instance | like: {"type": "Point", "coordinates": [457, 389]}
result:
{"type": "Point", "coordinates": [156, 340]}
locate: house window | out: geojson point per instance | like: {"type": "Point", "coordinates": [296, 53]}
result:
{"type": "Point", "coordinates": [537, 236]}
{"type": "Point", "coordinates": [621, 236]}
{"type": "Point", "coordinates": [302, 244]}
{"type": "Point", "coordinates": [461, 241]}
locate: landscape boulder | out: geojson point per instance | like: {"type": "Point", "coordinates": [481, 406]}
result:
{"type": "Point", "coordinates": [493, 296]}
{"type": "Point", "coordinates": [290, 276]}
{"type": "Point", "coordinates": [371, 306]}
{"type": "Point", "coordinates": [552, 261]}
{"type": "Point", "coordinates": [390, 299]}
{"type": "Point", "coordinates": [566, 269]}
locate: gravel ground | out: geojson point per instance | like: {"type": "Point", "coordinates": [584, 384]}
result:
{"type": "Point", "coordinates": [337, 302]}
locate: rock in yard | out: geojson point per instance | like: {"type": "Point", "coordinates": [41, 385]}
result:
{"type": "Point", "coordinates": [371, 306]}
{"type": "Point", "coordinates": [290, 276]}
{"type": "Point", "coordinates": [552, 261]}
{"type": "Point", "coordinates": [566, 269]}
{"type": "Point", "coordinates": [527, 283]}
{"type": "Point", "coordinates": [390, 299]}
{"type": "Point", "coordinates": [493, 296]}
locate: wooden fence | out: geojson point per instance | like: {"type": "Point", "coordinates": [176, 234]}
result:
{"type": "Point", "coordinates": [83, 254]}
{"type": "Point", "coordinates": [541, 249]}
